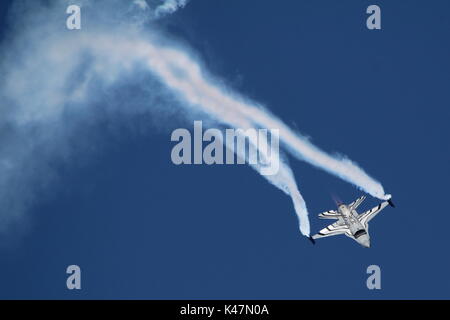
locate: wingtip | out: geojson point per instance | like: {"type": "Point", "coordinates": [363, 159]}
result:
{"type": "Point", "coordinates": [391, 203]}
{"type": "Point", "coordinates": [312, 240]}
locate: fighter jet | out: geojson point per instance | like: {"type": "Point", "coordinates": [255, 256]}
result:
{"type": "Point", "coordinates": [349, 222]}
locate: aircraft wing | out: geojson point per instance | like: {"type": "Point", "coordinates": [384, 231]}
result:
{"type": "Point", "coordinates": [331, 214]}
{"type": "Point", "coordinates": [365, 217]}
{"type": "Point", "coordinates": [332, 230]}
{"type": "Point", "coordinates": [356, 203]}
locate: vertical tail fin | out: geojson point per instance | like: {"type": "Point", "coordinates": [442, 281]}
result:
{"type": "Point", "coordinates": [355, 204]}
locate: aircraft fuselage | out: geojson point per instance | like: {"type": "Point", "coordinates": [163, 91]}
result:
{"type": "Point", "coordinates": [356, 228]}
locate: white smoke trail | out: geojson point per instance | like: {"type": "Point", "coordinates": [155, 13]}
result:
{"type": "Point", "coordinates": [284, 178]}
{"type": "Point", "coordinates": [41, 99]}
{"type": "Point", "coordinates": [184, 76]}
{"type": "Point", "coordinates": [34, 128]}
{"type": "Point", "coordinates": [169, 6]}
{"type": "Point", "coordinates": [179, 73]}
{"type": "Point", "coordinates": [165, 7]}
{"type": "Point", "coordinates": [142, 4]}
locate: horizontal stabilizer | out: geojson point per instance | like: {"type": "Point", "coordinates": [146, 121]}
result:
{"type": "Point", "coordinates": [329, 215]}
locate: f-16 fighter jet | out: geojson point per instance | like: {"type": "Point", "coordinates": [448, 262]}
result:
{"type": "Point", "coordinates": [349, 222]}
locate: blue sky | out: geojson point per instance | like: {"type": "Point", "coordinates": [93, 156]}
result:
{"type": "Point", "coordinates": [141, 227]}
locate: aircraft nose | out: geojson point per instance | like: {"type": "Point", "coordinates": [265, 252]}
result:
{"type": "Point", "coordinates": [365, 241]}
